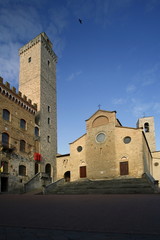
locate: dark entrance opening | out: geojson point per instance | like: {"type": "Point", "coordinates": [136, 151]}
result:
{"type": "Point", "coordinates": [124, 168]}
{"type": "Point", "coordinates": [4, 184]}
{"type": "Point", "coordinates": [36, 168]}
{"type": "Point", "coordinates": [83, 172]}
{"type": "Point", "coordinates": [48, 169]}
{"type": "Point", "coordinates": [67, 176]}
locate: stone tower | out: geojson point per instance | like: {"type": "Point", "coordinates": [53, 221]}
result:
{"type": "Point", "coordinates": [37, 80]}
{"type": "Point", "coordinates": [147, 123]}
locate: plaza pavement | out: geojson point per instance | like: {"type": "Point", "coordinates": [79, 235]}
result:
{"type": "Point", "coordinates": [73, 217]}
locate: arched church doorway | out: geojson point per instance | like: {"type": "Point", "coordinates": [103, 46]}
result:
{"type": "Point", "coordinates": [67, 176]}
{"type": "Point", "coordinates": [48, 169]}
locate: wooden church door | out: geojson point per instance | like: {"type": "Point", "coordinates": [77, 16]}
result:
{"type": "Point", "coordinates": [124, 168]}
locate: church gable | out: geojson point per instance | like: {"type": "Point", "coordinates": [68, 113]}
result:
{"type": "Point", "coordinates": [101, 118]}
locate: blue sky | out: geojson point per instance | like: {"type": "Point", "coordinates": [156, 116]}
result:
{"type": "Point", "coordinates": [112, 59]}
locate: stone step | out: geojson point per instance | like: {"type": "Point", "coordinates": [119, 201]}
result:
{"type": "Point", "coordinates": [104, 187]}
{"type": "Point", "coordinates": [34, 192]}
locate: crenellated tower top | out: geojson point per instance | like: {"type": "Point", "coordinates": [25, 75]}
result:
{"type": "Point", "coordinates": [17, 97]}
{"type": "Point", "coordinates": [43, 38]}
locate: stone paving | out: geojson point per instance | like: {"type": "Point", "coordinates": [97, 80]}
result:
{"type": "Point", "coordinates": [21, 233]}
{"type": "Point", "coordinates": [96, 217]}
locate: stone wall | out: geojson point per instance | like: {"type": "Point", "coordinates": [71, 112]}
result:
{"type": "Point", "coordinates": [11, 155]}
{"type": "Point", "coordinates": [38, 81]}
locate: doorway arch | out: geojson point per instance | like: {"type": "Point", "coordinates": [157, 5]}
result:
{"type": "Point", "coordinates": [67, 176]}
{"type": "Point", "coordinates": [48, 169]}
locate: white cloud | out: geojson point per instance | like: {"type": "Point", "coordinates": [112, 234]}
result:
{"type": "Point", "coordinates": [140, 108]}
{"type": "Point", "coordinates": [156, 107]}
{"type": "Point", "coordinates": [58, 23]}
{"type": "Point", "coordinates": [73, 76]}
{"type": "Point", "coordinates": [131, 88]}
{"type": "Point", "coordinates": [21, 21]}
{"type": "Point", "coordinates": [118, 101]}
{"type": "Point", "coordinates": [148, 76]}
{"type": "Point", "coordinates": [9, 63]}
{"type": "Point", "coordinates": [18, 25]}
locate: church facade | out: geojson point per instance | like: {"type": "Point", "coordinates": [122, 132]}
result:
{"type": "Point", "coordinates": [108, 150]}
{"type": "Point", "coordinates": [28, 133]}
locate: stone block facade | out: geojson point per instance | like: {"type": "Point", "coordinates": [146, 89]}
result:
{"type": "Point", "coordinates": [18, 142]}
{"type": "Point", "coordinates": [38, 81]}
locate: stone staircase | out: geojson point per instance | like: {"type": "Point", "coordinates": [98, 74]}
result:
{"type": "Point", "coordinates": [36, 184]}
{"type": "Point", "coordinates": [114, 186]}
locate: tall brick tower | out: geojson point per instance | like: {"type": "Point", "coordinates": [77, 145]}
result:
{"type": "Point", "coordinates": [37, 80]}
{"type": "Point", "coordinates": [147, 123]}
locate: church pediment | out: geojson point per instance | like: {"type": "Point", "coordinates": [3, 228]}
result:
{"type": "Point", "coordinates": [101, 118]}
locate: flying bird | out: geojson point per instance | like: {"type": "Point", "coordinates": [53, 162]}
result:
{"type": "Point", "coordinates": [80, 21]}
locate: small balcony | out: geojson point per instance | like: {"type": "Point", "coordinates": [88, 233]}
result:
{"type": "Point", "coordinates": [6, 147]}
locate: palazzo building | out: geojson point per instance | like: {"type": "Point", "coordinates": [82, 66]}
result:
{"type": "Point", "coordinates": [28, 119]}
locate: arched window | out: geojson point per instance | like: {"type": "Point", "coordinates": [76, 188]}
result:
{"type": "Point", "coordinates": [4, 167]}
{"type": "Point", "coordinates": [22, 124]}
{"type": "Point", "coordinates": [49, 139]}
{"type": "Point", "coordinates": [48, 169]}
{"type": "Point", "coordinates": [49, 109]}
{"type": "Point", "coordinates": [22, 145]}
{"type": "Point", "coordinates": [5, 139]}
{"type": "Point", "coordinates": [22, 170]}
{"type": "Point", "coordinates": [6, 115]}
{"type": "Point", "coordinates": [146, 127]}
{"type": "Point", "coordinates": [36, 131]}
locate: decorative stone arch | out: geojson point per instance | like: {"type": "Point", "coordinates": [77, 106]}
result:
{"type": "Point", "coordinates": [82, 162]}
{"type": "Point", "coordinates": [124, 158]}
{"type": "Point", "coordinates": [99, 121]}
